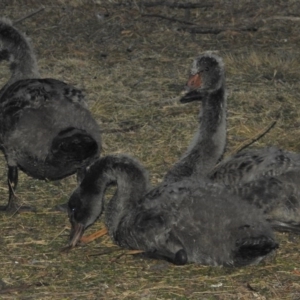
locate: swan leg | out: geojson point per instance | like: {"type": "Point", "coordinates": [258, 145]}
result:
{"type": "Point", "coordinates": [12, 181]}
{"type": "Point", "coordinates": [150, 225]}
{"type": "Point", "coordinates": [13, 204]}
{"type": "Point", "coordinates": [173, 252]}
{"type": "Point", "coordinates": [179, 258]}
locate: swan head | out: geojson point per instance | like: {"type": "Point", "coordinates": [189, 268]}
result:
{"type": "Point", "coordinates": [84, 208]}
{"type": "Point", "coordinates": [206, 76]}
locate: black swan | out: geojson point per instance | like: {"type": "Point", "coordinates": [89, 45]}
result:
{"type": "Point", "coordinates": [45, 128]}
{"type": "Point", "coordinates": [268, 178]}
{"type": "Point", "coordinates": [209, 141]}
{"type": "Point", "coordinates": [180, 222]}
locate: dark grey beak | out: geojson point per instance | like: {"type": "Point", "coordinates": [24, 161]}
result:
{"type": "Point", "coordinates": [191, 96]}
{"type": "Point", "coordinates": [77, 231]}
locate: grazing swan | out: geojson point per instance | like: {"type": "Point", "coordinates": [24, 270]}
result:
{"type": "Point", "coordinates": [268, 177]}
{"type": "Point", "coordinates": [180, 222]}
{"type": "Point", "coordinates": [45, 128]}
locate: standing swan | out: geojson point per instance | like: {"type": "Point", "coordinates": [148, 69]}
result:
{"type": "Point", "coordinates": [268, 178]}
{"type": "Point", "coordinates": [45, 128]}
{"type": "Point", "coordinates": [180, 222]}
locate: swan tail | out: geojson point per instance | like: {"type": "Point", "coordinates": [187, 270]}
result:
{"type": "Point", "coordinates": [286, 227]}
{"type": "Point", "coordinates": [252, 250]}
{"type": "Point", "coordinates": [74, 145]}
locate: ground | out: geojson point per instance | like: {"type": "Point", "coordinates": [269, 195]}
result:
{"type": "Point", "coordinates": [133, 64]}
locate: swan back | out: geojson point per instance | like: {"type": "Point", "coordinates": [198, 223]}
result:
{"type": "Point", "coordinates": [255, 164]}
{"type": "Point", "coordinates": [205, 222]}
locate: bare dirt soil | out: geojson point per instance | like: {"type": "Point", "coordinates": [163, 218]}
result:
{"type": "Point", "coordinates": [132, 58]}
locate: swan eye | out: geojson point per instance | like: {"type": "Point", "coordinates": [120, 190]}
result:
{"type": "Point", "coordinates": [71, 212]}
{"type": "Point", "coordinates": [206, 69]}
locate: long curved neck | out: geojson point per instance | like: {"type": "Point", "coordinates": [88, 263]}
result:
{"type": "Point", "coordinates": [208, 144]}
{"type": "Point", "coordinates": [20, 53]}
{"type": "Point", "coordinates": [132, 183]}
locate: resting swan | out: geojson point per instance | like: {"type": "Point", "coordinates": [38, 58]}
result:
{"type": "Point", "coordinates": [45, 128]}
{"type": "Point", "coordinates": [181, 222]}
{"type": "Point", "coordinates": [268, 178]}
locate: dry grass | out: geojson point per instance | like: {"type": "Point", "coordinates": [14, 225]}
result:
{"type": "Point", "coordinates": [132, 69]}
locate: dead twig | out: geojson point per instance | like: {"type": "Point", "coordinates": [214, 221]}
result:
{"type": "Point", "coordinates": [20, 288]}
{"type": "Point", "coordinates": [128, 252]}
{"type": "Point", "coordinates": [123, 252]}
{"type": "Point", "coordinates": [104, 252]}
{"type": "Point", "coordinates": [203, 30]}
{"type": "Point", "coordinates": [178, 4]}
{"type": "Point", "coordinates": [15, 289]}
{"type": "Point", "coordinates": [93, 236]}
{"type": "Point", "coordinates": [168, 18]}
{"type": "Point", "coordinates": [32, 242]}
{"type": "Point", "coordinates": [248, 143]}
{"type": "Point", "coordinates": [252, 27]}
{"type": "Point", "coordinates": [63, 230]}
{"type": "Point", "coordinates": [217, 30]}
{"type": "Point", "coordinates": [284, 18]}
{"type": "Point", "coordinates": [29, 15]}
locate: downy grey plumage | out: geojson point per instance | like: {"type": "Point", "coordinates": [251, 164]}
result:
{"type": "Point", "coordinates": [208, 144]}
{"type": "Point", "coordinates": [45, 128]}
{"type": "Point", "coordinates": [180, 222]}
{"type": "Point", "coordinates": [268, 178]}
